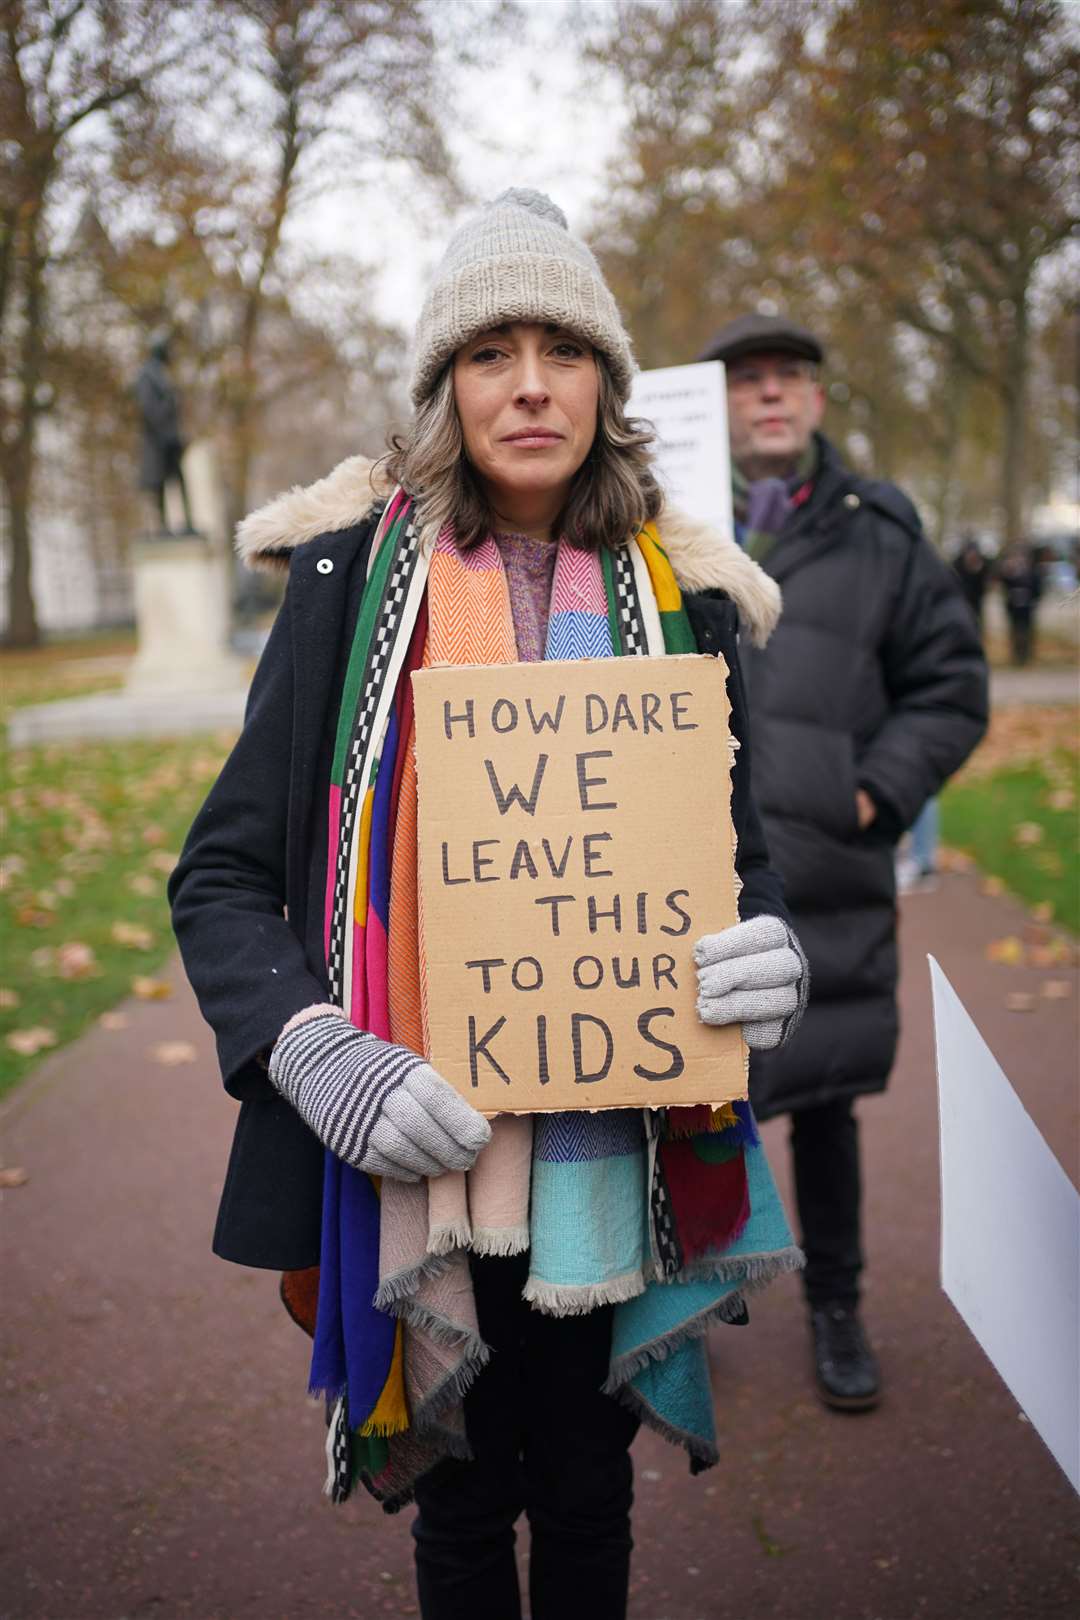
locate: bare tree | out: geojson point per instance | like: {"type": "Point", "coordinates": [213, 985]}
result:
{"type": "Point", "coordinates": [65, 66]}
{"type": "Point", "coordinates": [899, 175]}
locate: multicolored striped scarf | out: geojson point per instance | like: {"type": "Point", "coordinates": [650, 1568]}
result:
{"type": "Point", "coordinates": [763, 507]}
{"type": "Point", "coordinates": [627, 1208]}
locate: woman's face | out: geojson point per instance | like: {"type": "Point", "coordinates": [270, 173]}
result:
{"type": "Point", "coordinates": [526, 397]}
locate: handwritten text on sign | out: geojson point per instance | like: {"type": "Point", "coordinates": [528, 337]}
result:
{"type": "Point", "coordinates": [575, 840]}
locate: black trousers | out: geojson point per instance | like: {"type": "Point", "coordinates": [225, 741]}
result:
{"type": "Point", "coordinates": [1022, 635]}
{"type": "Point", "coordinates": [546, 1443]}
{"type": "Point", "coordinates": [828, 1194]}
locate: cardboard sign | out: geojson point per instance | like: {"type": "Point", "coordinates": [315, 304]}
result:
{"type": "Point", "coordinates": [687, 405]}
{"type": "Point", "coordinates": [575, 841]}
{"type": "Point", "coordinates": [1010, 1217]}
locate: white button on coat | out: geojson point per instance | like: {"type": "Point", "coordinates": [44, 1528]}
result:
{"type": "Point", "coordinates": [324, 565]}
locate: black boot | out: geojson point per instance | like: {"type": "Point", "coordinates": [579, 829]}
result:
{"type": "Point", "coordinates": [846, 1368]}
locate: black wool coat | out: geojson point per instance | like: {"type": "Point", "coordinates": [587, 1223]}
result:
{"type": "Point", "coordinates": [247, 894]}
{"type": "Point", "coordinates": [874, 678]}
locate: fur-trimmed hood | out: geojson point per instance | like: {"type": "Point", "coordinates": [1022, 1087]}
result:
{"type": "Point", "coordinates": [702, 557]}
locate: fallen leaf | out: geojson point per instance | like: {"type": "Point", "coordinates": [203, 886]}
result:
{"type": "Point", "coordinates": [9, 1000]}
{"type": "Point", "coordinates": [1043, 912]}
{"type": "Point", "coordinates": [147, 989]}
{"type": "Point", "coordinates": [132, 935]}
{"type": "Point", "coordinates": [32, 916]}
{"type": "Point", "coordinates": [113, 1020]}
{"type": "Point", "coordinates": [954, 860]}
{"type": "Point", "coordinates": [992, 886]}
{"type": "Point", "coordinates": [75, 960]}
{"type": "Point", "coordinates": [15, 1177]}
{"type": "Point", "coordinates": [1020, 1001]}
{"type": "Point", "coordinates": [1028, 832]}
{"type": "Point", "coordinates": [153, 834]}
{"type": "Point", "coordinates": [172, 1053]}
{"type": "Point", "coordinates": [1022, 735]}
{"type": "Point", "coordinates": [1061, 799]}
{"type": "Point", "coordinates": [1009, 952]}
{"type": "Point", "coordinates": [1056, 990]}
{"type": "Point", "coordinates": [1057, 952]}
{"type": "Point", "coordinates": [143, 884]}
{"type": "Point", "coordinates": [28, 1042]}
{"type": "Point", "coordinates": [162, 860]}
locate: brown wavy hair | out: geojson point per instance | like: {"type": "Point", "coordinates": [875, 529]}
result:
{"type": "Point", "coordinates": [613, 494]}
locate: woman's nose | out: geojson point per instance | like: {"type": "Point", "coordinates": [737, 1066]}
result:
{"type": "Point", "coordinates": [530, 385]}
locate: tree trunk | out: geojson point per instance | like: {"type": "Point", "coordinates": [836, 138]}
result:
{"type": "Point", "coordinates": [22, 625]}
{"type": "Point", "coordinates": [1014, 405]}
{"type": "Point", "coordinates": [944, 504]}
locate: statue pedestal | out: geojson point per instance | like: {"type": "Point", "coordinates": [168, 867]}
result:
{"type": "Point", "coordinates": [182, 618]}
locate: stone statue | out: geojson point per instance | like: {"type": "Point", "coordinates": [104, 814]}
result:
{"type": "Point", "coordinates": [162, 446]}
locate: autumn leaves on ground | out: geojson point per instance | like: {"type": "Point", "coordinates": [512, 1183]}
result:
{"type": "Point", "coordinates": [90, 833]}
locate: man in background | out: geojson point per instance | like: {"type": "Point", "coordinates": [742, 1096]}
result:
{"type": "Point", "coordinates": [973, 572]}
{"type": "Point", "coordinates": [871, 692]}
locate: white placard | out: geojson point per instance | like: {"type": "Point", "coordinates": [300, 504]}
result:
{"type": "Point", "coordinates": [687, 405]}
{"type": "Point", "coordinates": [1010, 1231]}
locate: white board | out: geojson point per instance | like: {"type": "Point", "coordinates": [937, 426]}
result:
{"type": "Point", "coordinates": [1010, 1231]}
{"type": "Point", "coordinates": [687, 405]}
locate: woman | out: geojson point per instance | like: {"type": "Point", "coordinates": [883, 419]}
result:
{"type": "Point", "coordinates": [517, 526]}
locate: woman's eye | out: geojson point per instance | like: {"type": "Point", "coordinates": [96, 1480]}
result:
{"type": "Point", "coordinates": [486, 356]}
{"type": "Point", "coordinates": [569, 350]}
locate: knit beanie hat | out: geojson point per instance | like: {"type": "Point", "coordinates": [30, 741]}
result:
{"type": "Point", "coordinates": [516, 261]}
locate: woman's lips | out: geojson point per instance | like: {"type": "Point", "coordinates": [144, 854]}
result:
{"type": "Point", "coordinates": [534, 437]}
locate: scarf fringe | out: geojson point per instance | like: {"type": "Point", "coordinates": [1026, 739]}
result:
{"type": "Point", "coordinates": [761, 1271]}
{"type": "Point", "coordinates": [626, 1367]}
{"type": "Point", "coordinates": [452, 1389]}
{"type": "Point", "coordinates": [451, 1442]}
{"type": "Point", "coordinates": [500, 1240]}
{"type": "Point", "coordinates": [752, 1271]}
{"type": "Point", "coordinates": [446, 1240]}
{"type": "Point", "coordinates": [702, 1453]}
{"type": "Point", "coordinates": [577, 1299]}
{"type": "Point", "coordinates": [401, 1285]}
{"type": "Point", "coordinates": [439, 1328]}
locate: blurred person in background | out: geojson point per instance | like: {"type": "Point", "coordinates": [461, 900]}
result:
{"type": "Point", "coordinates": [1020, 577]}
{"type": "Point", "coordinates": [973, 571]}
{"type": "Point", "coordinates": [872, 691]}
{"type": "Point", "coordinates": [488, 1339]}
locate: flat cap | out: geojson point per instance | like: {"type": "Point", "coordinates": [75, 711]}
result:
{"type": "Point", "coordinates": [762, 334]}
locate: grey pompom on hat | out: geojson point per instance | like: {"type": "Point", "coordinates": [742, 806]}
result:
{"type": "Point", "coordinates": [517, 261]}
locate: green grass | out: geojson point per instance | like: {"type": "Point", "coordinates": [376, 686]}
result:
{"type": "Point", "coordinates": [88, 837]}
{"type": "Point", "coordinates": [1020, 825]}
{"type": "Point", "coordinates": [64, 669]}
{"type": "Point", "coordinates": [91, 834]}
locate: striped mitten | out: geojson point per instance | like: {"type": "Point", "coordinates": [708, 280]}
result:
{"type": "Point", "coordinates": [375, 1105]}
{"type": "Point", "coordinates": [756, 975]}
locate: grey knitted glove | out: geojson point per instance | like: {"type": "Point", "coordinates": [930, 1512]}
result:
{"type": "Point", "coordinates": [756, 975]}
{"type": "Point", "coordinates": [375, 1105]}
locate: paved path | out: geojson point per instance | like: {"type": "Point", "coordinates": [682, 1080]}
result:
{"type": "Point", "coordinates": [160, 1459]}
{"type": "Point", "coordinates": [1010, 687]}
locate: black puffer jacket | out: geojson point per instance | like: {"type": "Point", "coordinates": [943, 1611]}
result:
{"type": "Point", "coordinates": [875, 678]}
